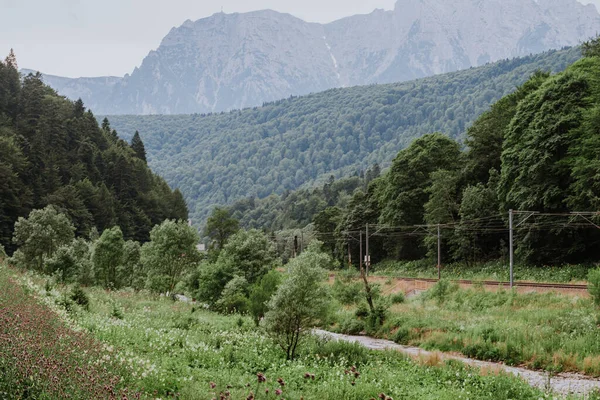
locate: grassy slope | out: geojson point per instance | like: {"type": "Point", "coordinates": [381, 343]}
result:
{"type": "Point", "coordinates": [174, 348]}
{"type": "Point", "coordinates": [540, 331]}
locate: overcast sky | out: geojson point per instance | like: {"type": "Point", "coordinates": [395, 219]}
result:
{"type": "Point", "coordinates": [110, 37]}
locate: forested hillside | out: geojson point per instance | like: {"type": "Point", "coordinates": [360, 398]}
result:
{"type": "Point", "coordinates": [536, 149]}
{"type": "Point", "coordinates": [217, 159]}
{"type": "Point", "coordinates": [52, 151]}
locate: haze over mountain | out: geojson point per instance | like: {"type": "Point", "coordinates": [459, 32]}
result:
{"type": "Point", "coordinates": [230, 61]}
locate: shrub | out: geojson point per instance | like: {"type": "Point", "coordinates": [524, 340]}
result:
{"type": "Point", "coordinates": [441, 291]}
{"type": "Point", "coordinates": [352, 326]}
{"type": "Point", "coordinates": [362, 311]}
{"type": "Point", "coordinates": [346, 291]}
{"type": "Point", "coordinates": [397, 298]}
{"type": "Point", "coordinates": [233, 298]}
{"type": "Point", "coordinates": [261, 292]}
{"type": "Point", "coordinates": [402, 336]}
{"type": "Point", "coordinates": [594, 285]}
{"type": "Point", "coordinates": [79, 296]}
{"type": "Point", "coordinates": [117, 312]}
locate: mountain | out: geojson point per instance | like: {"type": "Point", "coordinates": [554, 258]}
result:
{"type": "Point", "coordinates": [220, 158]}
{"type": "Point", "coordinates": [233, 61]}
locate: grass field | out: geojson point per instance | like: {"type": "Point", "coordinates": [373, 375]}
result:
{"type": "Point", "coordinates": [163, 349]}
{"type": "Point", "coordinates": [496, 271]}
{"type": "Point", "coordinates": [540, 331]}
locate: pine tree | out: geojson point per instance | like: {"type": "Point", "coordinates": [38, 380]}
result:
{"type": "Point", "coordinates": [11, 60]}
{"type": "Point", "coordinates": [138, 146]}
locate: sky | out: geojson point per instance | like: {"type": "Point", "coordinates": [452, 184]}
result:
{"type": "Point", "coordinates": [76, 38]}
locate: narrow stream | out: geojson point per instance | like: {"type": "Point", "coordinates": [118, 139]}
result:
{"type": "Point", "coordinates": [563, 384]}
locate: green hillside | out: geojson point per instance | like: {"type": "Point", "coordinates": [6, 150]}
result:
{"type": "Point", "coordinates": [220, 158]}
{"type": "Point", "coordinates": [536, 149]}
{"type": "Point", "coordinates": [52, 152]}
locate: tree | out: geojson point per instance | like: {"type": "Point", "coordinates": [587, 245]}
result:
{"type": "Point", "coordinates": [138, 146]}
{"type": "Point", "coordinates": [41, 234]}
{"type": "Point", "coordinates": [404, 194]}
{"type": "Point", "coordinates": [107, 257]}
{"type": "Point", "coordinates": [261, 293]}
{"type": "Point", "coordinates": [131, 272]}
{"type": "Point", "coordinates": [300, 301]}
{"type": "Point", "coordinates": [591, 48]}
{"type": "Point", "coordinates": [247, 254]}
{"type": "Point", "coordinates": [170, 253]}
{"type": "Point", "coordinates": [71, 262]}
{"type": "Point", "coordinates": [220, 226]}
{"type": "Point", "coordinates": [11, 60]}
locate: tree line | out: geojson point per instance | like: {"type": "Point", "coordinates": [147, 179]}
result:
{"type": "Point", "coordinates": [53, 152]}
{"type": "Point", "coordinates": [535, 149]}
{"type": "Point", "coordinates": [217, 159]}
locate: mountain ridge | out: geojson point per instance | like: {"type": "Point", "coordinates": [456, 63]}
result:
{"type": "Point", "coordinates": [239, 60]}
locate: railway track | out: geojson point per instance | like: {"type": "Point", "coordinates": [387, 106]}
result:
{"type": "Point", "coordinates": [569, 286]}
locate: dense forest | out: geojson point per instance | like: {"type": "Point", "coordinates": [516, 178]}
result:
{"type": "Point", "coordinates": [217, 159]}
{"type": "Point", "coordinates": [536, 149]}
{"type": "Point", "coordinates": [53, 152]}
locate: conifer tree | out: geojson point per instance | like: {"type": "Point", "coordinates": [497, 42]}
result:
{"type": "Point", "coordinates": [138, 146]}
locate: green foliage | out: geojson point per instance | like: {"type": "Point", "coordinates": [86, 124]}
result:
{"type": "Point", "coordinates": [591, 48]}
{"type": "Point", "coordinates": [300, 301]}
{"type": "Point", "coordinates": [441, 291]}
{"type": "Point", "coordinates": [302, 140]}
{"type": "Point", "coordinates": [219, 227]}
{"type": "Point", "coordinates": [594, 285]}
{"type": "Point", "coordinates": [52, 152]}
{"type": "Point", "coordinates": [170, 254]}
{"type": "Point", "coordinates": [260, 294]}
{"type": "Point", "coordinates": [107, 258]}
{"type": "Point", "coordinates": [71, 262]}
{"type": "Point", "coordinates": [41, 234]}
{"type": "Point", "coordinates": [79, 296]}
{"type": "Point", "coordinates": [346, 291]}
{"type": "Point", "coordinates": [247, 254]}
{"type": "Point", "coordinates": [397, 298]}
{"type": "Point", "coordinates": [234, 296]}
{"type": "Point", "coordinates": [132, 272]}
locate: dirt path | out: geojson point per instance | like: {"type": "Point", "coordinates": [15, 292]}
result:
{"type": "Point", "coordinates": [562, 384]}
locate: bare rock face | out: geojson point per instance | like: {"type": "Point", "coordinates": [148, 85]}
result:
{"type": "Point", "coordinates": [230, 61]}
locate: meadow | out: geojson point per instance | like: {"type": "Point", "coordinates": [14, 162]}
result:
{"type": "Point", "coordinates": [546, 331]}
{"type": "Point", "coordinates": [494, 270]}
{"type": "Point", "coordinates": [163, 348]}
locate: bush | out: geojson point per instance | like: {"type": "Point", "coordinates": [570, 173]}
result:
{"type": "Point", "coordinates": [261, 292]}
{"type": "Point", "coordinates": [362, 311]}
{"type": "Point", "coordinates": [594, 285]}
{"type": "Point", "coordinates": [117, 312]}
{"type": "Point", "coordinates": [352, 326]}
{"type": "Point", "coordinates": [233, 298]}
{"type": "Point", "coordinates": [79, 296]}
{"type": "Point", "coordinates": [441, 291]}
{"type": "Point", "coordinates": [402, 336]}
{"type": "Point", "coordinates": [346, 291]}
{"type": "Point", "coordinates": [397, 298]}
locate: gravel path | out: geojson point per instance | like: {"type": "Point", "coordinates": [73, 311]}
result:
{"type": "Point", "coordinates": [562, 384]}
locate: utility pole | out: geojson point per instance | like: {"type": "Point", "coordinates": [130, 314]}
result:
{"type": "Point", "coordinates": [439, 248]}
{"type": "Point", "coordinates": [360, 259]}
{"type": "Point", "coordinates": [510, 244]}
{"type": "Point", "coordinates": [367, 259]}
{"type": "Point", "coordinates": [349, 257]}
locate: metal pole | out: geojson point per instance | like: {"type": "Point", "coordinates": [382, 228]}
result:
{"type": "Point", "coordinates": [439, 265]}
{"type": "Point", "coordinates": [367, 251]}
{"type": "Point", "coordinates": [510, 244]}
{"type": "Point", "coordinates": [360, 259]}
